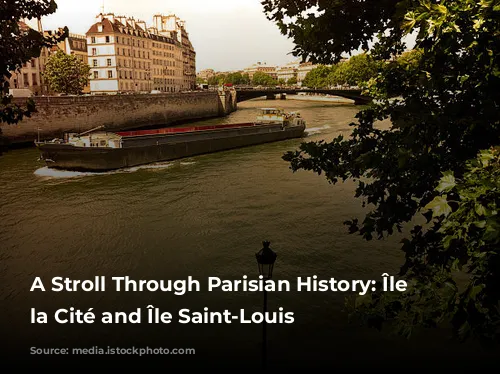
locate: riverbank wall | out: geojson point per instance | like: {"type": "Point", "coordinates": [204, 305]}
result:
{"type": "Point", "coordinates": [57, 115]}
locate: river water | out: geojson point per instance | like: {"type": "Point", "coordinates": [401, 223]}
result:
{"type": "Point", "coordinates": [203, 217]}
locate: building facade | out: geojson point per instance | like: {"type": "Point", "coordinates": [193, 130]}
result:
{"type": "Point", "coordinates": [262, 67]}
{"type": "Point", "coordinates": [206, 74]}
{"type": "Point", "coordinates": [288, 71]}
{"type": "Point", "coordinates": [74, 44]}
{"type": "Point", "coordinates": [29, 76]}
{"type": "Point", "coordinates": [302, 71]}
{"type": "Point", "coordinates": [127, 56]}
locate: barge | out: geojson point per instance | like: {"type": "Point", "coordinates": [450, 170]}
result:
{"type": "Point", "coordinates": [98, 150]}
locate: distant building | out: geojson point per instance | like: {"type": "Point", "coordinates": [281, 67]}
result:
{"type": "Point", "coordinates": [29, 75]}
{"type": "Point", "coordinates": [173, 27]}
{"type": "Point", "coordinates": [302, 71]}
{"type": "Point", "coordinates": [262, 67]}
{"type": "Point", "coordinates": [74, 44]}
{"type": "Point", "coordinates": [288, 71]}
{"type": "Point", "coordinates": [127, 56]}
{"type": "Point", "coordinates": [206, 74]}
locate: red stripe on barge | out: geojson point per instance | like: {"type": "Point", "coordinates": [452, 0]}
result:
{"type": "Point", "coordinates": [176, 130]}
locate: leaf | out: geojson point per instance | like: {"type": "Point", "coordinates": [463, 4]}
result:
{"type": "Point", "coordinates": [362, 300]}
{"type": "Point", "coordinates": [447, 182]}
{"type": "Point", "coordinates": [439, 206]}
{"type": "Point", "coordinates": [447, 241]}
{"type": "Point", "coordinates": [480, 224]}
{"type": "Point", "coordinates": [485, 157]}
{"type": "Point", "coordinates": [475, 290]}
{"type": "Point", "coordinates": [480, 210]}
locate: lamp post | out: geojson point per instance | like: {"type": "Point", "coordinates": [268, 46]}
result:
{"type": "Point", "coordinates": [266, 258]}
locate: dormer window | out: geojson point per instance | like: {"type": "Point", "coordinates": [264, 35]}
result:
{"type": "Point", "coordinates": [99, 28]}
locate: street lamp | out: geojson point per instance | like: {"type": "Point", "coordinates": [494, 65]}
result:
{"type": "Point", "coordinates": [266, 258]}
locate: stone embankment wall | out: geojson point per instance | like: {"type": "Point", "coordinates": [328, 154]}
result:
{"type": "Point", "coordinates": [59, 114]}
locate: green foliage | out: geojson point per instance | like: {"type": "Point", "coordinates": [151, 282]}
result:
{"type": "Point", "coordinates": [442, 104]}
{"type": "Point", "coordinates": [357, 71]}
{"type": "Point", "coordinates": [213, 80]}
{"type": "Point", "coordinates": [292, 81]}
{"type": "Point", "coordinates": [467, 241]}
{"type": "Point", "coordinates": [19, 45]}
{"type": "Point", "coordinates": [318, 77]}
{"type": "Point", "coordinates": [66, 73]}
{"type": "Point", "coordinates": [337, 26]}
{"type": "Point", "coordinates": [262, 79]}
{"type": "Point", "coordinates": [236, 78]}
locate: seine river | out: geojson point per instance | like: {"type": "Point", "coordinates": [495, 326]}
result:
{"type": "Point", "coordinates": [203, 217]}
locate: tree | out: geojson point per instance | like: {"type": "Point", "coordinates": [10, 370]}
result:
{"type": "Point", "coordinates": [318, 77]}
{"type": "Point", "coordinates": [200, 80]}
{"type": "Point", "coordinates": [245, 79]}
{"type": "Point", "coordinates": [213, 80]}
{"type": "Point", "coordinates": [262, 79]}
{"type": "Point", "coordinates": [292, 81]}
{"type": "Point", "coordinates": [357, 71]}
{"type": "Point", "coordinates": [443, 107]}
{"type": "Point", "coordinates": [66, 73]}
{"type": "Point", "coordinates": [20, 44]}
{"type": "Point", "coordinates": [234, 78]}
{"type": "Point", "coordinates": [281, 81]}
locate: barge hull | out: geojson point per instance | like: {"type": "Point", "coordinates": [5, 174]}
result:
{"type": "Point", "coordinates": [61, 156]}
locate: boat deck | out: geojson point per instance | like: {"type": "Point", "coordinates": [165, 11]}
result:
{"type": "Point", "coordinates": [180, 130]}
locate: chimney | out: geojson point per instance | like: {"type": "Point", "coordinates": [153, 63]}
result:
{"type": "Point", "coordinates": [142, 25]}
{"type": "Point", "coordinates": [122, 20]}
{"type": "Point", "coordinates": [110, 16]}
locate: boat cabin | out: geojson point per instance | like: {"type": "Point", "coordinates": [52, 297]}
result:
{"type": "Point", "coordinates": [271, 115]}
{"type": "Point", "coordinates": [276, 116]}
{"type": "Point", "coordinates": [100, 139]}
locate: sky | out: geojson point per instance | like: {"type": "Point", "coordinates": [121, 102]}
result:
{"type": "Point", "coordinates": [227, 35]}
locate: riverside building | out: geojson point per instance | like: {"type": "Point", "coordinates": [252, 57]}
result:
{"type": "Point", "coordinates": [126, 56]}
{"type": "Point", "coordinates": [30, 75]}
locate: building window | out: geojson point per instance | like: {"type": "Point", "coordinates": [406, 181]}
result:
{"type": "Point", "coordinates": [117, 40]}
{"type": "Point", "coordinates": [94, 51]}
{"type": "Point", "coordinates": [107, 39]}
{"type": "Point", "coordinates": [109, 62]}
{"type": "Point", "coordinates": [92, 40]}
{"type": "Point", "coordinates": [94, 63]}
{"type": "Point", "coordinates": [110, 74]}
{"type": "Point", "coordinates": [33, 77]}
{"type": "Point", "coordinates": [96, 75]}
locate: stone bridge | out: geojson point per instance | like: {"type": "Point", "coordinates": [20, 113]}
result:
{"type": "Point", "coordinates": [352, 94]}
